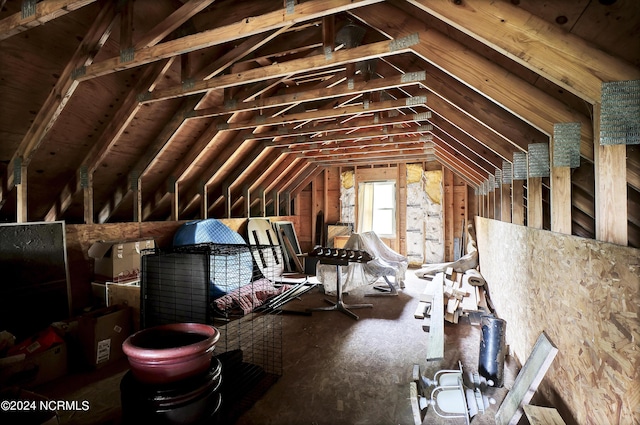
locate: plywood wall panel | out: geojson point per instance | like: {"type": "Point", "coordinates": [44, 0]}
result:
{"type": "Point", "coordinates": [586, 295]}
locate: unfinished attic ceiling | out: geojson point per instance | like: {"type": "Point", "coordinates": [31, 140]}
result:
{"type": "Point", "coordinates": [160, 109]}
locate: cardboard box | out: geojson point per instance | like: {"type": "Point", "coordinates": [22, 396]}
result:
{"type": "Point", "coordinates": [109, 293]}
{"type": "Point", "coordinates": [29, 371]}
{"type": "Point", "coordinates": [102, 332]}
{"type": "Point", "coordinates": [118, 261]}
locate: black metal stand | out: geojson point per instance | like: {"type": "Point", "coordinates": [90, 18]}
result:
{"type": "Point", "coordinates": [339, 305]}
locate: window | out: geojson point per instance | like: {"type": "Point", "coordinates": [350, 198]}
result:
{"type": "Point", "coordinates": [377, 208]}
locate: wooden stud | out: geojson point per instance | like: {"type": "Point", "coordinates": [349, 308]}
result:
{"type": "Point", "coordinates": [493, 204]}
{"type": "Point", "coordinates": [204, 200]}
{"type": "Point", "coordinates": [21, 194]}
{"type": "Point", "coordinates": [505, 205]}
{"type": "Point", "coordinates": [226, 193]}
{"type": "Point", "coordinates": [534, 203]}
{"type": "Point", "coordinates": [561, 200]}
{"type": "Point", "coordinates": [448, 213]}
{"type": "Point", "coordinates": [175, 203]}
{"type": "Point", "coordinates": [517, 202]}
{"type": "Point", "coordinates": [247, 201]}
{"type": "Point", "coordinates": [610, 187]}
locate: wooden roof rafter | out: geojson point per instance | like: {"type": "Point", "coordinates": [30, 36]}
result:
{"type": "Point", "coordinates": [245, 27]}
{"type": "Point", "coordinates": [360, 144]}
{"type": "Point", "coordinates": [295, 66]}
{"type": "Point", "coordinates": [568, 60]}
{"type": "Point", "coordinates": [468, 67]}
{"type": "Point", "coordinates": [43, 12]}
{"type": "Point", "coordinates": [63, 90]}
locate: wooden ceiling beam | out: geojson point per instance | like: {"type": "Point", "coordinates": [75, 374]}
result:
{"type": "Point", "coordinates": [340, 112]}
{"type": "Point", "coordinates": [475, 116]}
{"type": "Point", "coordinates": [241, 50]}
{"type": "Point", "coordinates": [470, 68]}
{"type": "Point", "coordinates": [246, 181]}
{"type": "Point", "coordinates": [365, 143]}
{"type": "Point", "coordinates": [388, 148]}
{"type": "Point", "coordinates": [339, 126]}
{"type": "Point", "coordinates": [244, 27]}
{"type": "Point", "coordinates": [292, 67]}
{"type": "Point", "coordinates": [352, 88]}
{"type": "Point", "coordinates": [45, 11]}
{"type": "Point", "coordinates": [130, 105]}
{"type": "Point", "coordinates": [458, 170]}
{"type": "Point", "coordinates": [555, 54]}
{"type": "Point", "coordinates": [126, 25]}
{"type": "Point", "coordinates": [400, 159]}
{"type": "Point", "coordinates": [172, 22]}
{"type": "Point", "coordinates": [355, 135]}
{"type": "Point", "coordinates": [401, 153]}
{"type": "Point", "coordinates": [293, 169]}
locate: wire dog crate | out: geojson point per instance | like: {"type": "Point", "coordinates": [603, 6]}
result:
{"type": "Point", "coordinates": [226, 286]}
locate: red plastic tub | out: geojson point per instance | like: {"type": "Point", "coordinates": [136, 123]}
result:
{"type": "Point", "coordinates": [169, 353]}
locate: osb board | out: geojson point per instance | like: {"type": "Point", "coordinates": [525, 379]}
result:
{"type": "Point", "coordinates": [585, 295]}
